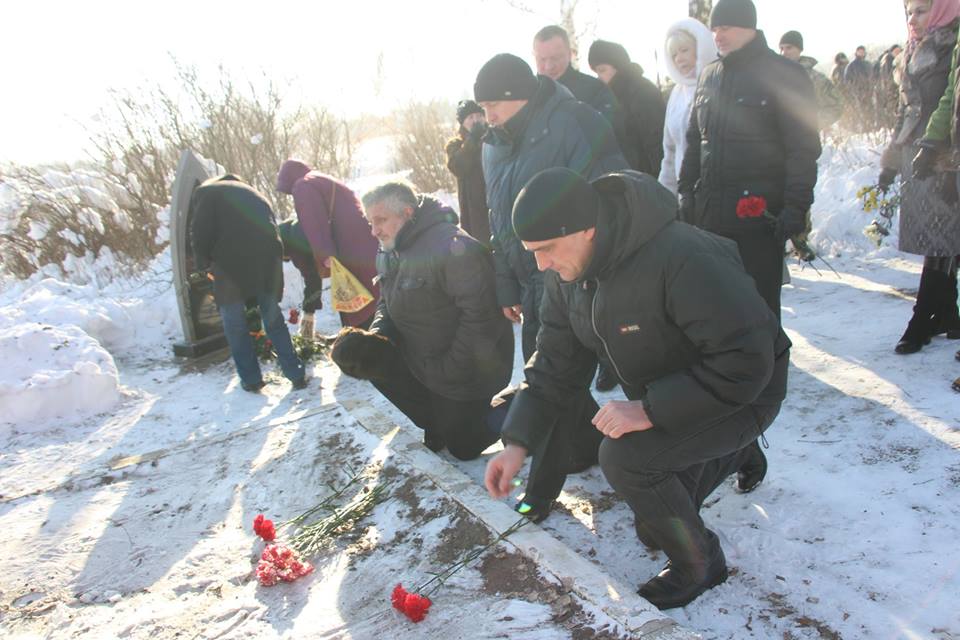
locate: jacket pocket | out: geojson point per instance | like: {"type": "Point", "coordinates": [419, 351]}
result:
{"type": "Point", "coordinates": [750, 116]}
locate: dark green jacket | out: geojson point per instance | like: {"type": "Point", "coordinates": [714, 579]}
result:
{"type": "Point", "coordinates": [668, 306]}
{"type": "Point", "coordinates": [942, 126]}
{"type": "Point", "coordinates": [437, 303]}
{"type": "Point", "coordinates": [552, 130]}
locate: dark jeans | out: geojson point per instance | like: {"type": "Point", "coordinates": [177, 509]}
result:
{"type": "Point", "coordinates": [665, 476]}
{"type": "Point", "coordinates": [462, 424]}
{"type": "Point", "coordinates": [241, 344]}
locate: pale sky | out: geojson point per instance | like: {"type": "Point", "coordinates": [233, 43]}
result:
{"type": "Point", "coordinates": [60, 58]}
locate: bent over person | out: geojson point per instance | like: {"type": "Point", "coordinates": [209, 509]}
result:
{"type": "Point", "coordinates": [696, 350]}
{"type": "Point", "coordinates": [439, 348]}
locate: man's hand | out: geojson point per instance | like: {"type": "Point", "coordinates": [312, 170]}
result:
{"type": "Point", "coordinates": [502, 469]}
{"type": "Point", "coordinates": [618, 418]}
{"type": "Point", "coordinates": [514, 314]}
{"type": "Point", "coordinates": [790, 223]}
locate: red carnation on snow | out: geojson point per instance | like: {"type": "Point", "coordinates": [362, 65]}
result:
{"type": "Point", "coordinates": [751, 207]}
{"type": "Point", "coordinates": [294, 316]}
{"type": "Point", "coordinates": [412, 605]}
{"type": "Point", "coordinates": [280, 563]}
{"type": "Point", "coordinates": [264, 528]}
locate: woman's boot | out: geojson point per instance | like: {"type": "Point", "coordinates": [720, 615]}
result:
{"type": "Point", "coordinates": [921, 325]}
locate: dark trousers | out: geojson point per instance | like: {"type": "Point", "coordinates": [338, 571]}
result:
{"type": "Point", "coordinates": [665, 476]}
{"type": "Point", "coordinates": [461, 423]}
{"type": "Point", "coordinates": [572, 445]}
{"type": "Point", "coordinates": [762, 257]}
{"type": "Point", "coordinates": [531, 293]}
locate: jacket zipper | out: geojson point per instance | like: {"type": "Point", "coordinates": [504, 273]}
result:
{"type": "Point", "coordinates": [606, 348]}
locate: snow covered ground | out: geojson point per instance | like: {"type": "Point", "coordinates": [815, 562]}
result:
{"type": "Point", "coordinates": [129, 481]}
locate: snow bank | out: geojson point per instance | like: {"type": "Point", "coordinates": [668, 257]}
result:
{"type": "Point", "coordinates": [53, 372]}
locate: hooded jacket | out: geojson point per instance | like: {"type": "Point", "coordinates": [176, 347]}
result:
{"type": "Point", "coordinates": [753, 132]}
{"type": "Point", "coordinates": [681, 98]}
{"type": "Point", "coordinates": [233, 231]}
{"type": "Point", "coordinates": [438, 304]}
{"type": "Point", "coordinates": [667, 306]}
{"type": "Point", "coordinates": [552, 130]}
{"type": "Point", "coordinates": [332, 219]}
{"type": "Point", "coordinates": [592, 91]}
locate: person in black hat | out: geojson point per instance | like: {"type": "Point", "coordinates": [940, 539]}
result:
{"type": "Point", "coordinates": [535, 123]}
{"type": "Point", "coordinates": [640, 100]}
{"type": "Point", "coordinates": [464, 162]}
{"type": "Point", "coordinates": [702, 360]}
{"type": "Point", "coordinates": [829, 102]}
{"type": "Point", "coordinates": [750, 165]}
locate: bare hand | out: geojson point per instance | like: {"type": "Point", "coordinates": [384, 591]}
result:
{"type": "Point", "coordinates": [618, 418]}
{"type": "Point", "coordinates": [514, 314]}
{"type": "Point", "coordinates": [502, 469]}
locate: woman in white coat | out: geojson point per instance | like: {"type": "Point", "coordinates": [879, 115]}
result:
{"type": "Point", "coordinates": [689, 47]}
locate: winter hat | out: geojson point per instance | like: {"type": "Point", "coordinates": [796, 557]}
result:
{"type": "Point", "coordinates": [734, 13]}
{"type": "Point", "coordinates": [466, 108]}
{"type": "Point", "coordinates": [505, 77]}
{"type": "Point", "coordinates": [611, 53]}
{"type": "Point", "coordinates": [553, 204]}
{"type": "Point", "coordinates": [290, 172]}
{"type": "Point", "coordinates": [793, 38]}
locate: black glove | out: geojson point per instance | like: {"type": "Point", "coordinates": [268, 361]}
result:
{"type": "Point", "coordinates": [924, 161]}
{"type": "Point", "coordinates": [887, 176]}
{"type": "Point", "coordinates": [477, 132]}
{"type": "Point", "coordinates": [790, 223]}
{"type": "Point", "coordinates": [687, 207]}
{"type": "Point", "coordinates": [365, 355]}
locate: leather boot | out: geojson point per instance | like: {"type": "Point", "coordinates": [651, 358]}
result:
{"type": "Point", "coordinates": [921, 327]}
{"type": "Point", "coordinates": [696, 562]}
{"type": "Point", "coordinates": [948, 317]}
{"type": "Point", "coordinates": [752, 472]}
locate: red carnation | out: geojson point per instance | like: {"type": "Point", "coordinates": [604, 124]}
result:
{"type": "Point", "coordinates": [294, 316]}
{"type": "Point", "coordinates": [264, 528]}
{"type": "Point", "coordinates": [751, 207]}
{"type": "Point", "coordinates": [280, 563]}
{"type": "Point", "coordinates": [412, 605]}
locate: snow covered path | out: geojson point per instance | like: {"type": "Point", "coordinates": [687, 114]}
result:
{"type": "Point", "coordinates": [136, 524]}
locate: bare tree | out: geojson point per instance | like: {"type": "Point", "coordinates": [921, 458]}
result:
{"type": "Point", "coordinates": [421, 135]}
{"type": "Point", "coordinates": [700, 9]}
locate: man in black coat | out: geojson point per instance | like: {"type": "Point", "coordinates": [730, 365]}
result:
{"type": "Point", "coordinates": [464, 161]}
{"type": "Point", "coordinates": [439, 349]}
{"type": "Point", "coordinates": [701, 358]}
{"type": "Point", "coordinates": [234, 234]}
{"type": "Point", "coordinates": [551, 49]}
{"type": "Point", "coordinates": [752, 147]}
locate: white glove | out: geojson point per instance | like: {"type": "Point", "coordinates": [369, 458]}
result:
{"type": "Point", "coordinates": [306, 326]}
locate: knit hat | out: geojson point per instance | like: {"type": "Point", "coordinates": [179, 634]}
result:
{"type": "Point", "coordinates": [505, 77]}
{"type": "Point", "coordinates": [554, 203]}
{"type": "Point", "coordinates": [734, 13]}
{"type": "Point", "coordinates": [611, 53]}
{"type": "Point", "coordinates": [794, 38]}
{"type": "Point", "coordinates": [466, 108]}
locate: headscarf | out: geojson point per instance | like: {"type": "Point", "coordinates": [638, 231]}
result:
{"type": "Point", "coordinates": [942, 13]}
{"type": "Point", "coordinates": [706, 49]}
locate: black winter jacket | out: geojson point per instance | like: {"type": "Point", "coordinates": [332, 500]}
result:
{"type": "Point", "coordinates": [753, 132]}
{"type": "Point", "coordinates": [437, 303]}
{"type": "Point", "coordinates": [644, 112]}
{"type": "Point", "coordinates": [592, 91]}
{"type": "Point", "coordinates": [668, 306]}
{"type": "Point", "coordinates": [234, 231]}
{"type": "Point", "coordinates": [552, 130]}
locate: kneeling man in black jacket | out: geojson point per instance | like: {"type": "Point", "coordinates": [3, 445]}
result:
{"type": "Point", "coordinates": [439, 347]}
{"type": "Point", "coordinates": [697, 351]}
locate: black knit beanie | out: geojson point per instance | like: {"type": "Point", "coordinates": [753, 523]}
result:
{"type": "Point", "coordinates": [466, 108]}
{"type": "Point", "coordinates": [554, 203]}
{"type": "Point", "coordinates": [505, 77]}
{"type": "Point", "coordinates": [611, 53]}
{"type": "Point", "coordinates": [734, 13]}
{"type": "Point", "coordinates": [794, 38]}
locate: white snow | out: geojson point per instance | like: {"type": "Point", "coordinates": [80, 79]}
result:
{"type": "Point", "coordinates": [852, 534]}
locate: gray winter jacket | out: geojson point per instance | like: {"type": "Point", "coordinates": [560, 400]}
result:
{"type": "Point", "coordinates": [552, 130]}
{"type": "Point", "coordinates": [668, 307]}
{"type": "Point", "coordinates": [437, 302]}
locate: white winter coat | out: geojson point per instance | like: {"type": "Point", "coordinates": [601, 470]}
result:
{"type": "Point", "coordinates": [681, 99]}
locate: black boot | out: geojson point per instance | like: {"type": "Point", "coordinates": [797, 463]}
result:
{"type": "Point", "coordinates": [696, 562]}
{"type": "Point", "coordinates": [753, 470]}
{"type": "Point", "coordinates": [534, 508]}
{"type": "Point", "coordinates": [948, 317]}
{"type": "Point", "coordinates": [921, 327]}
{"type": "Point", "coordinates": [433, 441]}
